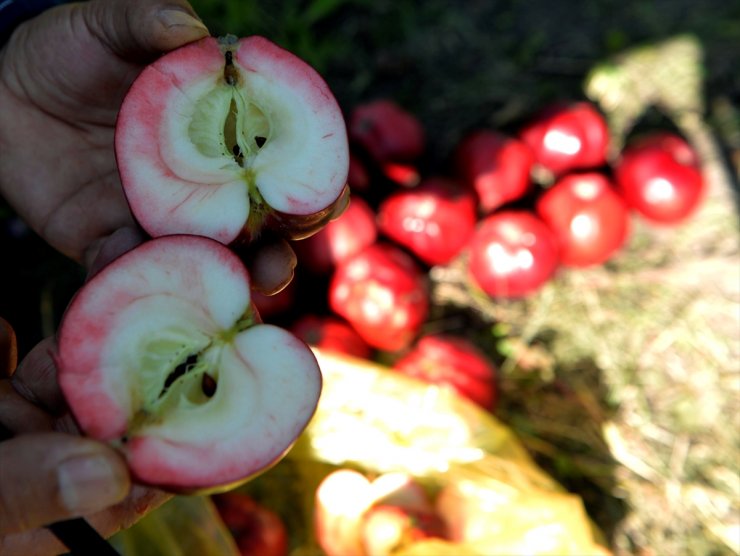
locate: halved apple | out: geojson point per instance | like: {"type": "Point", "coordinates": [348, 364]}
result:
{"type": "Point", "coordinates": [222, 138]}
{"type": "Point", "coordinates": [162, 355]}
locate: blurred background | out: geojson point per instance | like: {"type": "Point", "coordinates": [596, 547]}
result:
{"type": "Point", "coordinates": [621, 380]}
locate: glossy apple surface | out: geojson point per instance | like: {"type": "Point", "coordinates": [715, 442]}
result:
{"type": "Point", "coordinates": [387, 131]}
{"type": "Point", "coordinates": [223, 138]}
{"type": "Point", "coordinates": [589, 218]}
{"type": "Point", "coordinates": [330, 334]}
{"type": "Point", "coordinates": [496, 166]}
{"type": "Point", "coordinates": [512, 254]}
{"type": "Point", "coordinates": [660, 177]}
{"type": "Point", "coordinates": [382, 293]}
{"type": "Point", "coordinates": [257, 530]}
{"type": "Point", "coordinates": [433, 220]}
{"type": "Point", "coordinates": [453, 361]}
{"type": "Point", "coordinates": [162, 355]}
{"type": "Point", "coordinates": [341, 238]}
{"type": "Point", "coordinates": [568, 137]}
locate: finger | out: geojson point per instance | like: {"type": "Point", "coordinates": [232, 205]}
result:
{"type": "Point", "coordinates": [36, 378]}
{"type": "Point", "coordinates": [18, 415]}
{"type": "Point", "coordinates": [52, 476]}
{"type": "Point", "coordinates": [271, 263]}
{"type": "Point", "coordinates": [139, 29]}
{"type": "Point", "coordinates": [8, 349]}
{"type": "Point", "coordinates": [102, 251]}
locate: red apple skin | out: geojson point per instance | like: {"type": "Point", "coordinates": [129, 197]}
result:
{"type": "Point", "coordinates": [433, 220]}
{"type": "Point", "coordinates": [257, 530]}
{"type": "Point", "coordinates": [568, 137]}
{"type": "Point", "coordinates": [453, 361]}
{"type": "Point", "coordinates": [386, 131]}
{"type": "Point", "coordinates": [512, 254]}
{"type": "Point", "coordinates": [589, 218]}
{"type": "Point", "coordinates": [331, 334]}
{"type": "Point", "coordinates": [497, 167]}
{"type": "Point", "coordinates": [659, 176]}
{"type": "Point", "coordinates": [386, 528]}
{"type": "Point", "coordinates": [354, 230]}
{"type": "Point", "coordinates": [382, 293]}
{"type": "Point", "coordinates": [405, 175]}
{"type": "Point", "coordinates": [358, 178]}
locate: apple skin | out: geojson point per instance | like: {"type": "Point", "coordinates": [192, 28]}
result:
{"type": "Point", "coordinates": [130, 328]}
{"type": "Point", "coordinates": [455, 362]}
{"type": "Point", "coordinates": [567, 137]}
{"type": "Point", "coordinates": [330, 334]}
{"type": "Point", "coordinates": [433, 220]}
{"type": "Point", "coordinates": [512, 254]}
{"type": "Point", "coordinates": [659, 176]}
{"type": "Point", "coordinates": [385, 529]}
{"type": "Point", "coordinates": [387, 131]}
{"type": "Point", "coordinates": [341, 238]}
{"type": "Point", "coordinates": [497, 167]}
{"type": "Point", "coordinates": [257, 530]}
{"type": "Point", "coordinates": [382, 293]}
{"type": "Point", "coordinates": [589, 218]}
{"type": "Point", "coordinates": [191, 163]}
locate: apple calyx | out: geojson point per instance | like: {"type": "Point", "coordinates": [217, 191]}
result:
{"type": "Point", "coordinates": [223, 138]}
{"type": "Point", "coordinates": [162, 355]}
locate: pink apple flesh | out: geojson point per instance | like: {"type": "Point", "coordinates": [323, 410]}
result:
{"type": "Point", "coordinates": [222, 138]}
{"type": "Point", "coordinates": [162, 355]}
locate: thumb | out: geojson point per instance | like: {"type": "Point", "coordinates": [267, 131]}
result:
{"type": "Point", "coordinates": [138, 29]}
{"type": "Point", "coordinates": [53, 476]}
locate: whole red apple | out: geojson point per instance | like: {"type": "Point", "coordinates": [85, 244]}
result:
{"type": "Point", "coordinates": [223, 138]}
{"type": "Point", "coordinates": [568, 137]}
{"type": "Point", "coordinates": [660, 177]}
{"type": "Point", "coordinates": [257, 530]}
{"type": "Point", "coordinates": [341, 238]}
{"type": "Point", "coordinates": [453, 361]}
{"type": "Point", "coordinates": [512, 254]}
{"type": "Point", "coordinates": [387, 131]}
{"type": "Point", "coordinates": [589, 218]}
{"type": "Point", "coordinates": [330, 334]}
{"type": "Point", "coordinates": [382, 293]}
{"type": "Point", "coordinates": [433, 220]}
{"type": "Point", "coordinates": [162, 355]}
{"type": "Point", "coordinates": [497, 167]}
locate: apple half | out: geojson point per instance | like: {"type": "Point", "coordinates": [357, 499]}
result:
{"type": "Point", "coordinates": [225, 137]}
{"type": "Point", "coordinates": [162, 355]}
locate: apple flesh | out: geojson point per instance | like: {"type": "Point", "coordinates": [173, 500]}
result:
{"type": "Point", "coordinates": [162, 355]}
{"type": "Point", "coordinates": [222, 138]}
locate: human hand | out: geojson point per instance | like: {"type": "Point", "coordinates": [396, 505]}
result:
{"type": "Point", "coordinates": [63, 76]}
{"type": "Point", "coordinates": [47, 471]}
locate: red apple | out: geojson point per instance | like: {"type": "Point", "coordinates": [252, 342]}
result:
{"type": "Point", "coordinates": [387, 131]}
{"type": "Point", "coordinates": [406, 175]}
{"type": "Point", "coordinates": [660, 177]}
{"type": "Point", "coordinates": [496, 166]}
{"type": "Point", "coordinates": [568, 137]}
{"type": "Point", "coordinates": [330, 334]}
{"type": "Point", "coordinates": [222, 138]}
{"type": "Point", "coordinates": [433, 220]}
{"type": "Point", "coordinates": [455, 362]}
{"type": "Point", "coordinates": [162, 356]}
{"type": "Point", "coordinates": [257, 530]}
{"type": "Point", "coordinates": [339, 239]}
{"type": "Point", "coordinates": [387, 529]}
{"type": "Point", "coordinates": [512, 254]}
{"type": "Point", "coordinates": [588, 217]}
{"type": "Point", "coordinates": [382, 293]}
{"type": "Point", "coordinates": [357, 177]}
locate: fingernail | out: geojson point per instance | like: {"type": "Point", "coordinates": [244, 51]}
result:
{"type": "Point", "coordinates": [173, 17]}
{"type": "Point", "coordinates": [90, 483]}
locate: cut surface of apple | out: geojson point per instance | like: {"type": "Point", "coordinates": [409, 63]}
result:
{"type": "Point", "coordinates": [162, 355]}
{"type": "Point", "coordinates": [221, 138]}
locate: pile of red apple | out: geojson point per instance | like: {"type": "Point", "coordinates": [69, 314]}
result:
{"type": "Point", "coordinates": [512, 208]}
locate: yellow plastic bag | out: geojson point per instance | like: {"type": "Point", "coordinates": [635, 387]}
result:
{"type": "Point", "coordinates": [497, 501]}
